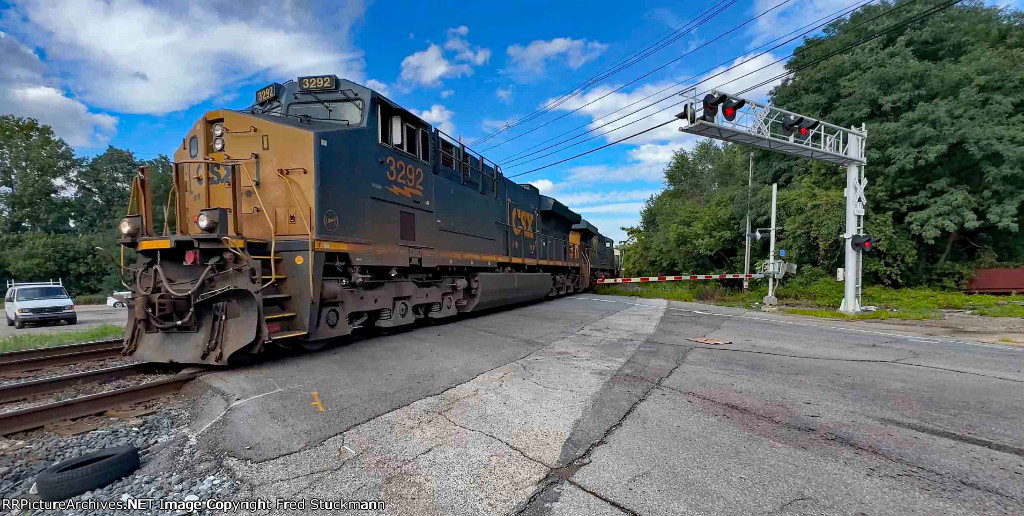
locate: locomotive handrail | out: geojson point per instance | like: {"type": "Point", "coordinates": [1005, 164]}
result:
{"type": "Point", "coordinates": [309, 229]}
{"type": "Point", "coordinates": [263, 208]}
{"type": "Point", "coordinates": [167, 208]}
{"type": "Point", "coordinates": [273, 237]}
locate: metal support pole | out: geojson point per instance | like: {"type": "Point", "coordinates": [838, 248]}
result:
{"type": "Point", "coordinates": [746, 250]}
{"type": "Point", "coordinates": [851, 275]}
{"type": "Point", "coordinates": [770, 299]}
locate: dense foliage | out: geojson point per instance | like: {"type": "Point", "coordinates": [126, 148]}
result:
{"type": "Point", "coordinates": [943, 103]}
{"type": "Point", "coordinates": [56, 209]}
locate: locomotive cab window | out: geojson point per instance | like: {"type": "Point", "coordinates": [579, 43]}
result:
{"type": "Point", "coordinates": [401, 133]}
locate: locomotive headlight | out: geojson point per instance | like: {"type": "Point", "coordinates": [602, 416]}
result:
{"type": "Point", "coordinates": [206, 222]}
{"type": "Point", "coordinates": [218, 130]}
{"type": "Point", "coordinates": [218, 144]}
{"type": "Point", "coordinates": [129, 227]}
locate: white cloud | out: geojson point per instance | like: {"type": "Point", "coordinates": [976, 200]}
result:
{"type": "Point", "coordinates": [27, 92]}
{"type": "Point", "coordinates": [545, 186]}
{"type": "Point", "coordinates": [378, 86]}
{"type": "Point", "coordinates": [504, 94]}
{"type": "Point", "coordinates": [440, 117]}
{"type": "Point", "coordinates": [428, 67]}
{"type": "Point", "coordinates": [463, 50]}
{"type": "Point", "coordinates": [655, 103]}
{"type": "Point", "coordinates": [447, 93]}
{"type": "Point", "coordinates": [137, 57]}
{"type": "Point", "coordinates": [745, 72]}
{"type": "Point", "coordinates": [526, 62]}
{"type": "Point", "coordinates": [490, 124]}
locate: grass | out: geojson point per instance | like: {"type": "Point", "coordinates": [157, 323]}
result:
{"type": "Point", "coordinates": [46, 340]}
{"type": "Point", "coordinates": [816, 294]}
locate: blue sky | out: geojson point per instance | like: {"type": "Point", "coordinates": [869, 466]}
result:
{"type": "Point", "coordinates": [136, 74]}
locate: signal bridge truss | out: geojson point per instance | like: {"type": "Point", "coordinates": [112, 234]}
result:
{"type": "Point", "coordinates": [738, 120]}
{"type": "Point", "coordinates": [764, 126]}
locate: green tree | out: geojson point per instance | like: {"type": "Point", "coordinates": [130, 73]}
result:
{"type": "Point", "coordinates": [102, 189]}
{"type": "Point", "coordinates": [160, 175]}
{"type": "Point", "coordinates": [35, 167]}
{"type": "Point", "coordinates": [943, 103]}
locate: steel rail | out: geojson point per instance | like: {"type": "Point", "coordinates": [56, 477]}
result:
{"type": "Point", "coordinates": [21, 390]}
{"type": "Point", "coordinates": [38, 358]}
{"type": "Point", "coordinates": [38, 416]}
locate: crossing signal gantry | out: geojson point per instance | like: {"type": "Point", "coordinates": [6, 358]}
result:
{"type": "Point", "coordinates": [738, 120]}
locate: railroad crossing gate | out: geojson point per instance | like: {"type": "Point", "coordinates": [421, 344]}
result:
{"type": "Point", "coordinates": [739, 120]}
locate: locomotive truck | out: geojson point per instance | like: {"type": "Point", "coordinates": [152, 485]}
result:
{"type": "Point", "coordinates": [326, 207]}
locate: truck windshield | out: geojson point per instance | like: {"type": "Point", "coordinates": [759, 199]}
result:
{"type": "Point", "coordinates": [36, 293]}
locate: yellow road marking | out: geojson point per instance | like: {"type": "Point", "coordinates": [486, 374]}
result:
{"type": "Point", "coordinates": [317, 403]}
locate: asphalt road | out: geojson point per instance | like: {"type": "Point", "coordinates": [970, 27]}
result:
{"type": "Point", "coordinates": [597, 405]}
{"type": "Point", "coordinates": [89, 316]}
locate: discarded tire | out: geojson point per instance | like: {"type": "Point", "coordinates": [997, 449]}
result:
{"type": "Point", "coordinates": [87, 472]}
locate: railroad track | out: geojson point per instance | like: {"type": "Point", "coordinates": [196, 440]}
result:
{"type": "Point", "coordinates": [40, 358]}
{"type": "Point", "coordinates": [39, 415]}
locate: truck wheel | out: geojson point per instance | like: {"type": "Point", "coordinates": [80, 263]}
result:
{"type": "Point", "coordinates": [18, 324]}
{"type": "Point", "coordinates": [87, 472]}
{"type": "Point", "coordinates": [73, 320]}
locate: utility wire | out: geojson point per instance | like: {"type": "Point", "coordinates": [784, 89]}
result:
{"type": "Point", "coordinates": [638, 79]}
{"type": "Point", "coordinates": [862, 41]}
{"type": "Point", "coordinates": [828, 19]}
{"type": "Point", "coordinates": [631, 60]}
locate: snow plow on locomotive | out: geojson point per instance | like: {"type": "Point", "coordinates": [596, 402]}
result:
{"type": "Point", "coordinates": [326, 207]}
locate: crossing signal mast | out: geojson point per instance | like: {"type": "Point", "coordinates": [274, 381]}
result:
{"type": "Point", "coordinates": [738, 120]}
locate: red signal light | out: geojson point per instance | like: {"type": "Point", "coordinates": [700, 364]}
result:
{"type": "Point", "coordinates": [867, 245]}
{"type": "Point", "coordinates": [730, 112]}
{"type": "Point", "coordinates": [804, 131]}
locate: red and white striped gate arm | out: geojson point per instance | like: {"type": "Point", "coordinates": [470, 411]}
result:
{"type": "Point", "coordinates": [647, 279]}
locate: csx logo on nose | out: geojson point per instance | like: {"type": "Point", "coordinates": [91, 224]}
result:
{"type": "Point", "coordinates": [522, 221]}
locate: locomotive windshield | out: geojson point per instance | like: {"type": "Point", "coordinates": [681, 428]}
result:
{"type": "Point", "coordinates": [323, 98]}
{"type": "Point", "coordinates": [347, 111]}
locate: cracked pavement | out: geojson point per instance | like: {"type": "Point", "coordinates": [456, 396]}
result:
{"type": "Point", "coordinates": [600, 405]}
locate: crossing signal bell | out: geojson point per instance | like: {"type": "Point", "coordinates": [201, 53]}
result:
{"type": "Point", "coordinates": [864, 242]}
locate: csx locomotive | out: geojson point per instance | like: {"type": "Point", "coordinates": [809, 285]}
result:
{"type": "Point", "coordinates": [326, 207]}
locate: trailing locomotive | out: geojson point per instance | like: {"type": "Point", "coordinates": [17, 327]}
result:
{"type": "Point", "coordinates": [325, 207]}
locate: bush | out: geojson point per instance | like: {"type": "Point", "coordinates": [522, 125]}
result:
{"type": "Point", "coordinates": [71, 258]}
{"type": "Point", "coordinates": [98, 299]}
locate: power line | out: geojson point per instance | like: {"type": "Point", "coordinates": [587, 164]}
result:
{"type": "Point", "coordinates": [862, 41]}
{"type": "Point", "coordinates": [661, 44]}
{"type": "Point", "coordinates": [814, 26]}
{"type": "Point", "coordinates": [634, 81]}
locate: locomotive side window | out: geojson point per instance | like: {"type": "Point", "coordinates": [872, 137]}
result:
{"type": "Point", "coordinates": [410, 142]}
{"type": "Point", "coordinates": [424, 146]}
{"type": "Point", "coordinates": [401, 133]}
{"type": "Point", "coordinates": [447, 153]}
